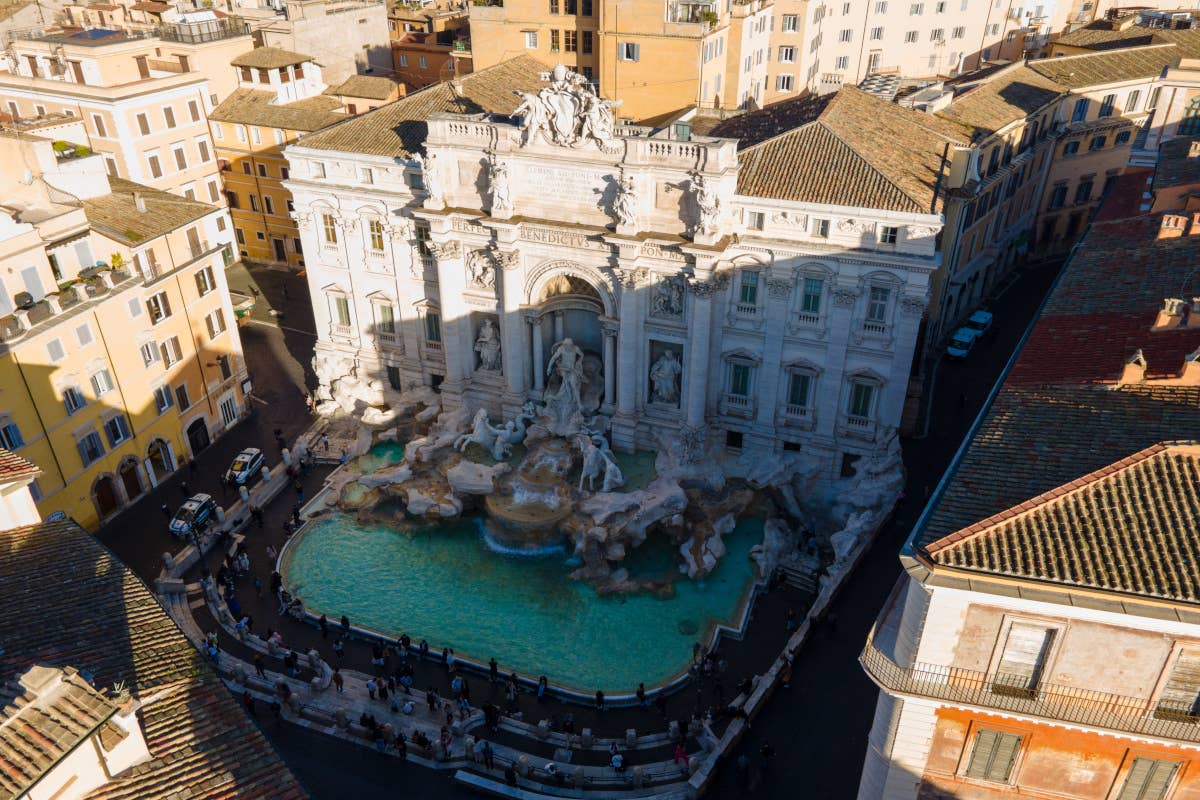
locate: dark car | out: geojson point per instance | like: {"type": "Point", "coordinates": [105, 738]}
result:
{"type": "Point", "coordinates": [196, 511]}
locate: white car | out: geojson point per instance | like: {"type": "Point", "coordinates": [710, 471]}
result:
{"type": "Point", "coordinates": [981, 321]}
{"type": "Point", "coordinates": [961, 342]}
{"type": "Point", "coordinates": [247, 463]}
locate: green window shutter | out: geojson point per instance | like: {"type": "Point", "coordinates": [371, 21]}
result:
{"type": "Point", "coordinates": [1148, 779]}
{"type": "Point", "coordinates": [993, 756]}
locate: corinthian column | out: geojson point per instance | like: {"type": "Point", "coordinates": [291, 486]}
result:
{"type": "Point", "coordinates": [512, 326]}
{"type": "Point", "coordinates": [700, 342]}
{"type": "Point", "coordinates": [456, 323]}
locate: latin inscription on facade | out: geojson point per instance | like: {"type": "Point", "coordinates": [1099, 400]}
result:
{"type": "Point", "coordinates": [571, 186]}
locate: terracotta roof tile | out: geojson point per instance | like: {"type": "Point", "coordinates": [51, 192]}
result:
{"type": "Point", "coordinates": [1097, 69]}
{"type": "Point", "coordinates": [269, 58]}
{"type": "Point", "coordinates": [398, 129]}
{"type": "Point", "coordinates": [256, 107]}
{"type": "Point", "coordinates": [1176, 164]}
{"type": "Point", "coordinates": [116, 215]}
{"type": "Point", "coordinates": [368, 86]}
{"type": "Point", "coordinates": [1100, 35]}
{"type": "Point", "coordinates": [12, 466]}
{"type": "Point", "coordinates": [67, 601]}
{"type": "Point", "coordinates": [1001, 100]}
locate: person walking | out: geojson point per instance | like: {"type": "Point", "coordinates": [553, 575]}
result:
{"type": "Point", "coordinates": [339, 682]}
{"type": "Point", "coordinates": [371, 687]}
{"type": "Point", "coordinates": [257, 514]}
{"type": "Point", "coordinates": [599, 700]}
{"type": "Point", "coordinates": [345, 625]}
{"type": "Point", "coordinates": [183, 487]}
{"type": "Point", "coordinates": [489, 757]}
{"type": "Point", "coordinates": [166, 510]}
{"type": "Point", "coordinates": [258, 666]}
{"type": "Point", "coordinates": [323, 624]}
{"type": "Point", "coordinates": [401, 746]}
{"type": "Point", "coordinates": [493, 671]}
{"type": "Point", "coordinates": [680, 755]}
{"type": "Point", "coordinates": [248, 702]}
{"type": "Point", "coordinates": [339, 650]}
{"type": "Point", "coordinates": [325, 442]}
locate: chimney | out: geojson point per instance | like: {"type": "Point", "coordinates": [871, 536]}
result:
{"type": "Point", "coordinates": [1194, 149]}
{"type": "Point", "coordinates": [1171, 315]}
{"type": "Point", "coordinates": [1173, 225]}
{"type": "Point", "coordinates": [139, 202]}
{"type": "Point", "coordinates": [1195, 227]}
{"type": "Point", "coordinates": [1134, 371]}
{"type": "Point", "coordinates": [1191, 369]}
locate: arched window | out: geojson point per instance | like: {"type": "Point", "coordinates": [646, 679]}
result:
{"type": "Point", "coordinates": [1190, 124]}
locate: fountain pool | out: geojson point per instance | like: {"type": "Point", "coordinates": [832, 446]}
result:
{"type": "Point", "coordinates": [443, 583]}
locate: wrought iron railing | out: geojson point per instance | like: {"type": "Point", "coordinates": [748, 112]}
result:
{"type": "Point", "coordinates": [1070, 704]}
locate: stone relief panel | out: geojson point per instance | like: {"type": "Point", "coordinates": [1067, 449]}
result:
{"type": "Point", "coordinates": [667, 301]}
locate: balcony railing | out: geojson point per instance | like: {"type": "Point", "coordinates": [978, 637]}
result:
{"type": "Point", "coordinates": [1047, 701]}
{"type": "Point", "coordinates": [737, 405]}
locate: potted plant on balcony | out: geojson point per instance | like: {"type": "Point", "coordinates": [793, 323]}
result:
{"type": "Point", "coordinates": [709, 18]}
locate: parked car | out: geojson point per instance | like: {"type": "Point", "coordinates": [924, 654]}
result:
{"type": "Point", "coordinates": [244, 467]}
{"type": "Point", "coordinates": [961, 342]}
{"type": "Point", "coordinates": [196, 511]}
{"type": "Point", "coordinates": [981, 321]}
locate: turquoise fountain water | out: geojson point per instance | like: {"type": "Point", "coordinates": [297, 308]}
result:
{"type": "Point", "coordinates": [445, 584]}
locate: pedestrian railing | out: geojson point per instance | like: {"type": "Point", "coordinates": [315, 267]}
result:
{"type": "Point", "coordinates": [1070, 704]}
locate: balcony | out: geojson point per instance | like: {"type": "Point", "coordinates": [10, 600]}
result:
{"type": "Point", "coordinates": [858, 427]}
{"type": "Point", "coordinates": [693, 13]}
{"type": "Point", "coordinates": [388, 339]}
{"type": "Point", "coordinates": [737, 405]}
{"type": "Point", "coordinates": [1068, 704]}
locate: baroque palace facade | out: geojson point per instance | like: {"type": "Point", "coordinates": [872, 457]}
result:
{"type": "Point", "coordinates": [714, 302]}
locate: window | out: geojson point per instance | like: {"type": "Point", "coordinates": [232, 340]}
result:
{"type": "Point", "coordinates": [284, 174]}
{"type": "Point", "coordinates": [877, 304]}
{"type": "Point", "coordinates": [1148, 779]}
{"type": "Point", "coordinates": [116, 429]}
{"type": "Point", "coordinates": [433, 326]}
{"type": "Point", "coordinates": [1083, 192]}
{"type": "Point", "coordinates": [375, 235]}
{"type": "Point", "coordinates": [799, 386]}
{"type": "Point", "coordinates": [98, 124]}
{"type": "Point", "coordinates": [387, 319]}
{"type": "Point", "coordinates": [268, 204]}
{"type": "Point", "coordinates": [393, 376]}
{"type": "Point", "coordinates": [739, 379]}
{"type": "Point", "coordinates": [279, 138]}
{"type": "Point", "coordinates": [246, 169]}
{"type": "Point", "coordinates": [1180, 697]}
{"type": "Point", "coordinates": [226, 368]}
{"type": "Point", "coordinates": [421, 231]}
{"type": "Point", "coordinates": [1123, 137]}
{"type": "Point", "coordinates": [181, 396]}
{"type": "Point", "coordinates": [253, 202]}
{"type": "Point", "coordinates": [911, 37]}
{"type": "Point", "coordinates": [171, 352]}
{"type": "Point", "coordinates": [937, 35]}
{"type": "Point", "coordinates": [530, 40]}
{"type": "Point", "coordinates": [585, 42]}
{"type": "Point", "coordinates": [958, 33]}
{"type": "Point", "coordinates": [881, 7]}
{"type": "Point", "coordinates": [1152, 103]}
{"type": "Point", "coordinates": [787, 55]}
{"type": "Point", "coordinates": [1023, 659]}
{"type": "Point", "coordinates": [629, 51]}
{"type": "Point", "coordinates": [734, 440]}
{"type": "Point", "coordinates": [169, 116]}
{"type": "Point", "coordinates": [143, 124]}
{"type": "Point", "coordinates": [180, 157]}
{"type": "Point", "coordinates": [215, 322]}
{"type": "Point", "coordinates": [916, 9]}
{"type": "Point", "coordinates": [366, 175]}
{"type": "Point", "coordinates": [255, 134]}
{"type": "Point", "coordinates": [783, 83]}
{"type": "Point", "coordinates": [329, 228]}
{"type": "Point", "coordinates": [1189, 125]}
{"type": "Point", "coordinates": [149, 353]}
{"type": "Point", "coordinates": [217, 131]}
{"type": "Point", "coordinates": [748, 288]}
{"type": "Point", "coordinates": [159, 307]}
{"type": "Point", "coordinates": [876, 34]}
{"type": "Point", "coordinates": [194, 110]}
{"type": "Point", "coordinates": [842, 63]}
{"type": "Point", "coordinates": [341, 310]}
{"type": "Point", "coordinates": [846, 35]}
{"type": "Point", "coordinates": [1108, 105]}
{"type": "Point", "coordinates": [570, 41]}
{"type": "Point", "coordinates": [90, 448]}
{"type": "Point", "coordinates": [888, 234]}
{"type": "Point", "coordinates": [202, 148]}
{"type": "Point", "coordinates": [83, 334]}
{"type": "Point", "coordinates": [820, 228]}
{"type": "Point", "coordinates": [155, 166]}
{"type": "Point", "coordinates": [554, 6]}
{"type": "Point", "coordinates": [791, 23]}
{"type": "Point", "coordinates": [229, 411]}
{"type": "Point", "coordinates": [262, 170]}
{"type": "Point", "coordinates": [1071, 148]}
{"type": "Point", "coordinates": [810, 298]}
{"type": "Point", "coordinates": [231, 199]}
{"type": "Point", "coordinates": [585, 8]}
{"type": "Point", "coordinates": [162, 398]}
{"type": "Point", "coordinates": [73, 399]}
{"type": "Point", "coordinates": [862, 397]}
{"type": "Point", "coordinates": [993, 756]}
{"type": "Point", "coordinates": [135, 308]}
{"type": "Point", "coordinates": [10, 436]}
{"type": "Point", "coordinates": [102, 383]}
{"type": "Point", "coordinates": [110, 166]}
{"type": "Point", "coordinates": [755, 220]}
{"type": "Point", "coordinates": [1081, 110]}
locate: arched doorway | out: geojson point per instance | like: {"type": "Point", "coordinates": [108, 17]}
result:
{"type": "Point", "coordinates": [104, 495]}
{"type": "Point", "coordinates": [131, 478]}
{"type": "Point", "coordinates": [197, 434]}
{"type": "Point", "coordinates": [159, 461]}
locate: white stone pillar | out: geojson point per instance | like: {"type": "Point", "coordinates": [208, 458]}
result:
{"type": "Point", "coordinates": [535, 330]}
{"type": "Point", "coordinates": [627, 348]}
{"type": "Point", "coordinates": [558, 326]}
{"type": "Point", "coordinates": [699, 339]}
{"type": "Point", "coordinates": [172, 464]}
{"type": "Point", "coordinates": [512, 326]}
{"type": "Point", "coordinates": [609, 328]}
{"type": "Point", "coordinates": [779, 292]}
{"type": "Point", "coordinates": [150, 473]}
{"type": "Point", "coordinates": [456, 323]}
{"type": "Point", "coordinates": [830, 397]}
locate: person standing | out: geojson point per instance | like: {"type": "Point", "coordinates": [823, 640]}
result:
{"type": "Point", "coordinates": [371, 686]}
{"type": "Point", "coordinates": [767, 752]}
{"type": "Point", "coordinates": [339, 682]}
{"type": "Point", "coordinates": [493, 671]}
{"type": "Point", "coordinates": [489, 757]}
{"type": "Point", "coordinates": [183, 487]}
{"type": "Point", "coordinates": [323, 624]}
{"type": "Point", "coordinates": [166, 510]}
{"type": "Point", "coordinates": [258, 666]}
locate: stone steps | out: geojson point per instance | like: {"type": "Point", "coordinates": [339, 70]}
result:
{"type": "Point", "coordinates": [800, 579]}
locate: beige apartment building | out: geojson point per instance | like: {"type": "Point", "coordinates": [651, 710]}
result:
{"type": "Point", "coordinates": [120, 357]}
{"type": "Point", "coordinates": [143, 97]}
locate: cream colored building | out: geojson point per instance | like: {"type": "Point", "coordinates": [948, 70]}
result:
{"type": "Point", "coordinates": [143, 99]}
{"type": "Point", "coordinates": [120, 354]}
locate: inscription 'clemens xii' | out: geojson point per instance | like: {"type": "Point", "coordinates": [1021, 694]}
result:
{"type": "Point", "coordinates": [570, 186]}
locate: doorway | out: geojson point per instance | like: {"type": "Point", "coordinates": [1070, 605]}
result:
{"type": "Point", "coordinates": [104, 495]}
{"type": "Point", "coordinates": [280, 250]}
{"type": "Point", "coordinates": [130, 478]}
{"type": "Point", "coordinates": [197, 434]}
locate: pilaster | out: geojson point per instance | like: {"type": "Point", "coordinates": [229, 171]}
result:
{"type": "Point", "coordinates": [456, 323]}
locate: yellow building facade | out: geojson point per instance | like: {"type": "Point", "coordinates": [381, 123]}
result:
{"type": "Point", "coordinates": [120, 355]}
{"type": "Point", "coordinates": [279, 96]}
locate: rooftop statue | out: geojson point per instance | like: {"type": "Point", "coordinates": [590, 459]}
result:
{"type": "Point", "coordinates": [567, 112]}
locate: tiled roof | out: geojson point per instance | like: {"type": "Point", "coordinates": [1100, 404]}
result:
{"type": "Point", "coordinates": [369, 86]}
{"type": "Point", "coordinates": [398, 129]}
{"type": "Point", "coordinates": [39, 726]}
{"type": "Point", "coordinates": [255, 107]}
{"type": "Point", "coordinates": [67, 601]}
{"type": "Point", "coordinates": [116, 215]}
{"type": "Point", "coordinates": [1099, 35]}
{"type": "Point", "coordinates": [1059, 414]}
{"type": "Point", "coordinates": [1001, 100]}
{"type": "Point", "coordinates": [1129, 527]}
{"type": "Point", "coordinates": [858, 150]}
{"type": "Point", "coordinates": [755, 127]}
{"type": "Point", "coordinates": [269, 58]}
{"type": "Point", "coordinates": [1176, 166]}
{"type": "Point", "coordinates": [1111, 66]}
{"type": "Point", "coordinates": [12, 466]}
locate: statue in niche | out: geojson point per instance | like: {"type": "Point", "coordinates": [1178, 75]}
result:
{"type": "Point", "coordinates": [487, 345]}
{"type": "Point", "coordinates": [626, 202]}
{"type": "Point", "coordinates": [498, 187]}
{"type": "Point", "coordinates": [668, 298]}
{"type": "Point", "coordinates": [480, 271]}
{"type": "Point", "coordinates": [664, 378]}
{"type": "Point", "coordinates": [567, 356]}
{"type": "Point", "coordinates": [431, 175]}
{"type": "Point", "coordinates": [708, 204]}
